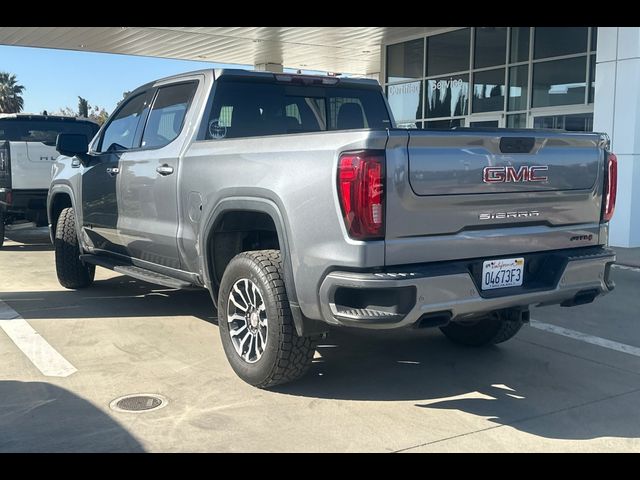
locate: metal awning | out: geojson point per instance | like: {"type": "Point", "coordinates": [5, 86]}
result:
{"type": "Point", "coordinates": [353, 50]}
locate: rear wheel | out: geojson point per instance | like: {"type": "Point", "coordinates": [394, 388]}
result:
{"type": "Point", "coordinates": [71, 271]}
{"type": "Point", "coordinates": [496, 327]}
{"type": "Point", "coordinates": [256, 326]}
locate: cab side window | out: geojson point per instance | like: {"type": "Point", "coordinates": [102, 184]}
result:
{"type": "Point", "coordinates": [120, 133]}
{"type": "Point", "coordinates": [167, 114]}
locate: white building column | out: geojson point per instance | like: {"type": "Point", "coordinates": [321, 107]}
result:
{"type": "Point", "coordinates": [617, 112]}
{"type": "Point", "coordinates": [268, 67]}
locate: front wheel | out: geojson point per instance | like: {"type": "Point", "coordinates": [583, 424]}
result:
{"type": "Point", "coordinates": [72, 272]}
{"type": "Point", "coordinates": [256, 326]}
{"type": "Point", "coordinates": [492, 329]}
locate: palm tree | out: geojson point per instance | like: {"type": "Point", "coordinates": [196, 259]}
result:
{"type": "Point", "coordinates": [10, 94]}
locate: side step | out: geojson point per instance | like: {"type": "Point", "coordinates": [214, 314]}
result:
{"type": "Point", "coordinates": [135, 272]}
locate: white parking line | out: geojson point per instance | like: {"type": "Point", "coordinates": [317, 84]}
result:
{"type": "Point", "coordinates": [42, 355]}
{"type": "Point", "coordinates": [583, 337]}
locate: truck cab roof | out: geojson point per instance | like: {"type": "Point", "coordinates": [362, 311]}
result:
{"type": "Point", "coordinates": [39, 117]}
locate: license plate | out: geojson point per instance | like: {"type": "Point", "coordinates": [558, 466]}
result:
{"type": "Point", "coordinates": [506, 272]}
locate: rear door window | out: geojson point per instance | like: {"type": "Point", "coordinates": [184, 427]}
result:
{"type": "Point", "coordinates": [167, 114]}
{"type": "Point", "coordinates": [250, 108]}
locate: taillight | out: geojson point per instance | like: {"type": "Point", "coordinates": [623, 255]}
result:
{"type": "Point", "coordinates": [361, 192]}
{"type": "Point", "coordinates": [611, 187]}
{"type": "Point", "coordinates": [4, 159]}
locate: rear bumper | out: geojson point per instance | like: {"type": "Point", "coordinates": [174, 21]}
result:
{"type": "Point", "coordinates": [405, 295]}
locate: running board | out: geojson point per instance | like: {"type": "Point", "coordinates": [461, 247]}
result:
{"type": "Point", "coordinates": [135, 272]}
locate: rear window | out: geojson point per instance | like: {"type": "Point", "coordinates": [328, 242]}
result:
{"type": "Point", "coordinates": [249, 109]}
{"type": "Point", "coordinates": [45, 131]}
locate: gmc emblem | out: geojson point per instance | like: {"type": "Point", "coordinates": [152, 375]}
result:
{"type": "Point", "coordinates": [511, 175]}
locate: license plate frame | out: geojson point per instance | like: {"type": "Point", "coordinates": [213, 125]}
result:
{"type": "Point", "coordinates": [502, 273]}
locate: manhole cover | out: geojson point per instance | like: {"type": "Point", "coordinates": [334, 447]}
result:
{"type": "Point", "coordinates": [138, 403]}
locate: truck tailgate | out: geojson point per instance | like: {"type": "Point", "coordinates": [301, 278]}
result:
{"type": "Point", "coordinates": [475, 193]}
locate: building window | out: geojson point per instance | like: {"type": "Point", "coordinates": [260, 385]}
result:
{"type": "Point", "coordinates": [517, 120]}
{"type": "Point", "coordinates": [557, 41]}
{"type": "Point", "coordinates": [519, 44]}
{"type": "Point", "coordinates": [559, 82]}
{"type": "Point", "coordinates": [488, 91]}
{"type": "Point", "coordinates": [405, 61]}
{"type": "Point", "coordinates": [405, 100]}
{"type": "Point", "coordinates": [490, 46]}
{"type": "Point", "coordinates": [443, 124]}
{"type": "Point", "coordinates": [448, 52]}
{"type": "Point", "coordinates": [518, 87]}
{"type": "Point", "coordinates": [581, 122]}
{"type": "Point", "coordinates": [518, 73]}
{"type": "Point", "coordinates": [447, 96]}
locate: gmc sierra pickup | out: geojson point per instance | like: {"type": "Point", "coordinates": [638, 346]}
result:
{"type": "Point", "coordinates": [27, 151]}
{"type": "Point", "coordinates": [296, 202]}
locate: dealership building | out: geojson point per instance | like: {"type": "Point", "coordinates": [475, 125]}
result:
{"type": "Point", "coordinates": [572, 78]}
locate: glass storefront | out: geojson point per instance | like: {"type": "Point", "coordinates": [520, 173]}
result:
{"type": "Point", "coordinates": [515, 77]}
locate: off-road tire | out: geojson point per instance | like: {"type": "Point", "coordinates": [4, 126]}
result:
{"type": "Point", "coordinates": [72, 272]}
{"type": "Point", "coordinates": [490, 330]}
{"type": "Point", "coordinates": [287, 356]}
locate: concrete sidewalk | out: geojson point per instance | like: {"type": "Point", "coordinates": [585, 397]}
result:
{"type": "Point", "coordinates": [628, 256]}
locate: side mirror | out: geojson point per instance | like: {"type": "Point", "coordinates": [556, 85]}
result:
{"type": "Point", "coordinates": [72, 144]}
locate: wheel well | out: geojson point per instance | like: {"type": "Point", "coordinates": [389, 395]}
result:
{"type": "Point", "coordinates": [60, 202]}
{"type": "Point", "coordinates": [236, 232]}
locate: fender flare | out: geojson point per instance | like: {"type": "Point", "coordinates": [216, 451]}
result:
{"type": "Point", "coordinates": [55, 190]}
{"type": "Point", "coordinates": [252, 204]}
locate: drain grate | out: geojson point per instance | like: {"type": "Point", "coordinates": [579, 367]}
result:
{"type": "Point", "coordinates": [138, 403]}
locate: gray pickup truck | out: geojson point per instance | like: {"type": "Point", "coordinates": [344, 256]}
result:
{"type": "Point", "coordinates": [298, 205]}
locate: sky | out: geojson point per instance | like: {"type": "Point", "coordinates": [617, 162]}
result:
{"type": "Point", "coordinates": [53, 79]}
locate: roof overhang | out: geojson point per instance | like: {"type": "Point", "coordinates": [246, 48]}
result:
{"type": "Point", "coordinates": [354, 50]}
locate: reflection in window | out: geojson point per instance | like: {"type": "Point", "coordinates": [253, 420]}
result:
{"type": "Point", "coordinates": [404, 61]}
{"type": "Point", "coordinates": [556, 41]}
{"type": "Point", "coordinates": [447, 96]}
{"type": "Point", "coordinates": [519, 44]}
{"type": "Point", "coordinates": [560, 82]}
{"type": "Point", "coordinates": [490, 46]}
{"type": "Point", "coordinates": [488, 91]}
{"type": "Point", "coordinates": [405, 101]}
{"type": "Point", "coordinates": [120, 132]}
{"type": "Point", "coordinates": [167, 114]}
{"type": "Point", "coordinates": [580, 122]}
{"type": "Point", "coordinates": [448, 52]}
{"type": "Point", "coordinates": [592, 70]}
{"type": "Point", "coordinates": [518, 86]}
{"type": "Point", "coordinates": [517, 120]}
{"type": "Point", "coordinates": [443, 124]}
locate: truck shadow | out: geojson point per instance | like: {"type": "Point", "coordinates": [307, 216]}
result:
{"type": "Point", "coordinates": [521, 384]}
{"type": "Point", "coordinates": [544, 389]}
{"type": "Point", "coordinates": [115, 297]}
{"type": "Point", "coordinates": [31, 239]}
{"type": "Point", "coordinates": [41, 417]}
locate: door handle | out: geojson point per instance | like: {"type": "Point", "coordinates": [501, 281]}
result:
{"type": "Point", "coordinates": [113, 171]}
{"type": "Point", "coordinates": [165, 169]}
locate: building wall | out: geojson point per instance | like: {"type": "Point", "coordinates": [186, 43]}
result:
{"type": "Point", "coordinates": [617, 112]}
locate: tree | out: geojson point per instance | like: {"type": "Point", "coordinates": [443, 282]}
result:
{"type": "Point", "coordinates": [10, 94]}
{"type": "Point", "coordinates": [98, 114]}
{"type": "Point", "coordinates": [83, 107]}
